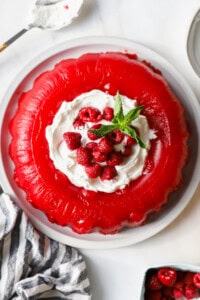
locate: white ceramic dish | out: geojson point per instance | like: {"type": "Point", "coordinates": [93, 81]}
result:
{"type": "Point", "coordinates": [127, 236]}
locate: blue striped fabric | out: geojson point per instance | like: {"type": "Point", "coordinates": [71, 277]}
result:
{"type": "Point", "coordinates": [33, 266]}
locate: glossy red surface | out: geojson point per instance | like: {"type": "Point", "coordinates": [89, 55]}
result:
{"type": "Point", "coordinates": [51, 191]}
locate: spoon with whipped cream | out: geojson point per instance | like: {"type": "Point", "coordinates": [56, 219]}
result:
{"type": "Point", "coordinates": [49, 14]}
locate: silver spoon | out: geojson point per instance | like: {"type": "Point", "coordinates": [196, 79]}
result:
{"type": "Point", "coordinates": [49, 14]}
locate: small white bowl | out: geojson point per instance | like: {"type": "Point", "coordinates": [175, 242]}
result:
{"type": "Point", "coordinates": [181, 267]}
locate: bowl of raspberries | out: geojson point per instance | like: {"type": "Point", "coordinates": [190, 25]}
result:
{"type": "Point", "coordinates": [172, 282]}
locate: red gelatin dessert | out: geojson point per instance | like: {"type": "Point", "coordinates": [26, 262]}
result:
{"type": "Point", "coordinates": [99, 142]}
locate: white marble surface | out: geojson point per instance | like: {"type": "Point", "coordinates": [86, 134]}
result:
{"type": "Point", "coordinates": [162, 26]}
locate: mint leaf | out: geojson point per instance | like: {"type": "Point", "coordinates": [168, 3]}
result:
{"type": "Point", "coordinates": [104, 129]}
{"type": "Point", "coordinates": [133, 114]}
{"type": "Point", "coordinates": [121, 122]}
{"type": "Point", "coordinates": [130, 131]}
{"type": "Point", "coordinates": [140, 142]}
{"type": "Point", "coordinates": [118, 110]}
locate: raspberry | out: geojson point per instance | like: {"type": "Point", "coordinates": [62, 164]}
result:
{"type": "Point", "coordinates": [153, 283]}
{"type": "Point", "coordinates": [127, 151]}
{"type": "Point", "coordinates": [90, 114]}
{"type": "Point", "coordinates": [93, 136]}
{"type": "Point", "coordinates": [90, 145]}
{"type": "Point", "coordinates": [93, 170]}
{"type": "Point", "coordinates": [115, 159]}
{"type": "Point", "coordinates": [105, 145]}
{"type": "Point", "coordinates": [167, 276]}
{"type": "Point", "coordinates": [108, 173]}
{"type": "Point", "coordinates": [130, 141]}
{"type": "Point", "coordinates": [116, 136]}
{"type": "Point", "coordinates": [178, 285]}
{"type": "Point", "coordinates": [83, 156]}
{"type": "Point", "coordinates": [78, 123]}
{"type": "Point", "coordinates": [178, 292]}
{"type": "Point", "coordinates": [99, 156]}
{"type": "Point", "coordinates": [72, 139]}
{"type": "Point", "coordinates": [108, 113]}
{"type": "Point", "coordinates": [191, 291]}
{"type": "Point", "coordinates": [196, 280]}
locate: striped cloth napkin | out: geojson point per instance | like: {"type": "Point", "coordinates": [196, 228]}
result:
{"type": "Point", "coordinates": [33, 266]}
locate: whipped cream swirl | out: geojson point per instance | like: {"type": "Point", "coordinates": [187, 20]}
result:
{"type": "Point", "coordinates": [65, 159]}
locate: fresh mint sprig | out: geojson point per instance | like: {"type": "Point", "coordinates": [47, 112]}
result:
{"type": "Point", "coordinates": [121, 122]}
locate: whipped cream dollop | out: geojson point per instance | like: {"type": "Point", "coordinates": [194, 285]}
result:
{"type": "Point", "coordinates": [65, 159]}
{"type": "Point", "coordinates": [54, 14]}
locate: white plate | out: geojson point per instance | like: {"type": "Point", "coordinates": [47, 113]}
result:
{"type": "Point", "coordinates": [127, 236]}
